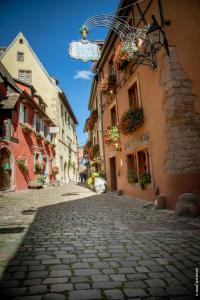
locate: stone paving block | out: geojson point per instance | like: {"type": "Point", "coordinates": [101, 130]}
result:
{"type": "Point", "coordinates": [36, 268]}
{"type": "Point", "coordinates": [155, 282]}
{"type": "Point", "coordinates": [82, 286]}
{"type": "Point", "coordinates": [136, 276]}
{"type": "Point", "coordinates": [178, 290]}
{"type": "Point", "coordinates": [54, 261]}
{"type": "Point", "coordinates": [38, 289]}
{"type": "Point", "coordinates": [61, 287]}
{"type": "Point", "coordinates": [53, 296]}
{"type": "Point", "coordinates": [161, 261]}
{"type": "Point", "coordinates": [118, 277]}
{"type": "Point", "coordinates": [114, 294]}
{"type": "Point", "coordinates": [158, 292]}
{"type": "Point", "coordinates": [80, 266]}
{"type": "Point", "coordinates": [136, 284]}
{"type": "Point", "coordinates": [126, 270]}
{"type": "Point", "coordinates": [38, 274]}
{"type": "Point", "coordinates": [141, 269]}
{"type": "Point", "coordinates": [31, 282]}
{"type": "Point", "coordinates": [85, 295]}
{"type": "Point", "coordinates": [161, 275]}
{"type": "Point", "coordinates": [86, 272]}
{"type": "Point", "coordinates": [9, 283]}
{"type": "Point", "coordinates": [106, 285]}
{"type": "Point", "coordinates": [147, 263]}
{"type": "Point", "coordinates": [135, 293]}
{"type": "Point", "coordinates": [100, 277]}
{"type": "Point", "coordinates": [55, 280]}
{"type": "Point", "coordinates": [101, 265]}
{"type": "Point", "coordinates": [60, 273]}
{"type": "Point", "coordinates": [80, 279]}
{"type": "Point", "coordinates": [59, 267]}
{"type": "Point", "coordinates": [19, 275]}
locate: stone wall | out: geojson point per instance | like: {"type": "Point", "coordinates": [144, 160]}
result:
{"type": "Point", "coordinates": [183, 123]}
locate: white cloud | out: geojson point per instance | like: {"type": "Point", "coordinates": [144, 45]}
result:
{"type": "Point", "coordinates": [83, 75]}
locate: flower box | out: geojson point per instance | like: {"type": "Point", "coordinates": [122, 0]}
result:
{"type": "Point", "coordinates": [26, 128]}
{"type": "Point", "coordinates": [92, 120]}
{"type": "Point", "coordinates": [108, 84]}
{"type": "Point", "coordinates": [39, 136]}
{"type": "Point", "coordinates": [112, 136]}
{"type": "Point", "coordinates": [39, 167]}
{"type": "Point", "coordinates": [124, 53]}
{"type": "Point", "coordinates": [131, 120]}
{"type": "Point", "coordinates": [22, 164]}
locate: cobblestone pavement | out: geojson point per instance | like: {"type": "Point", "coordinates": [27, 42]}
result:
{"type": "Point", "coordinates": [69, 243]}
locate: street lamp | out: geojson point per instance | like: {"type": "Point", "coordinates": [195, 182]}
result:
{"type": "Point", "coordinates": [156, 36]}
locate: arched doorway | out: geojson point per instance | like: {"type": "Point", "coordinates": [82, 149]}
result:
{"type": "Point", "coordinates": [7, 169]}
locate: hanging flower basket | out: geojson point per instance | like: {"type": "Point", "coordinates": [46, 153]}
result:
{"type": "Point", "coordinates": [112, 136]}
{"type": "Point", "coordinates": [131, 120]}
{"type": "Point", "coordinates": [53, 145]}
{"type": "Point", "coordinates": [26, 128]}
{"type": "Point", "coordinates": [124, 53]}
{"type": "Point", "coordinates": [54, 170]}
{"type": "Point", "coordinates": [22, 164]}
{"type": "Point", "coordinates": [92, 119]}
{"type": "Point", "coordinates": [108, 84]}
{"type": "Point", "coordinates": [39, 167]}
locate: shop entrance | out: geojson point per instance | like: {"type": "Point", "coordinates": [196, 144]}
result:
{"type": "Point", "coordinates": [113, 174]}
{"type": "Point", "coordinates": [6, 175]}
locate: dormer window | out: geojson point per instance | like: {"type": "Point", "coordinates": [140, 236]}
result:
{"type": "Point", "coordinates": [20, 56]}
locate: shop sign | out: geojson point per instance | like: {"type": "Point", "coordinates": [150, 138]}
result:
{"type": "Point", "coordinates": [133, 144]}
{"type": "Point", "coordinates": [54, 129]}
{"type": "Point", "coordinates": [84, 50]}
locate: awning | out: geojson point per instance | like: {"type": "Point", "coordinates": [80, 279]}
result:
{"type": "Point", "coordinates": [9, 102]}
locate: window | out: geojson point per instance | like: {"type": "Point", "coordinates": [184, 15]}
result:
{"type": "Point", "coordinates": [23, 113]}
{"type": "Point", "coordinates": [20, 56]}
{"type": "Point", "coordinates": [62, 110]}
{"type": "Point", "coordinates": [61, 163]}
{"type": "Point", "coordinates": [132, 168]}
{"type": "Point", "coordinates": [111, 69]}
{"type": "Point", "coordinates": [24, 76]}
{"type": "Point", "coordinates": [133, 96]}
{"type": "Point", "coordinates": [21, 41]}
{"type": "Point", "coordinates": [37, 125]}
{"type": "Point", "coordinates": [113, 116]}
{"type": "Point", "coordinates": [69, 121]}
{"type": "Point", "coordinates": [143, 161]}
{"type": "Point", "coordinates": [65, 117]}
{"type": "Point", "coordinates": [63, 135]}
{"type": "Point", "coordinates": [138, 167]}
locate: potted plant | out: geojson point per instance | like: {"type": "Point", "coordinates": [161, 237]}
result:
{"type": "Point", "coordinates": [92, 119]}
{"type": "Point", "coordinates": [145, 178]}
{"type": "Point", "coordinates": [39, 166]}
{"type": "Point", "coordinates": [22, 164]}
{"type": "Point", "coordinates": [124, 53]}
{"type": "Point", "coordinates": [54, 170]}
{"type": "Point", "coordinates": [108, 84]}
{"type": "Point", "coordinates": [132, 177]}
{"type": "Point", "coordinates": [131, 120]}
{"type": "Point", "coordinates": [112, 136]}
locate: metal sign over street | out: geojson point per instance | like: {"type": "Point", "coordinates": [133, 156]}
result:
{"type": "Point", "coordinates": [84, 50]}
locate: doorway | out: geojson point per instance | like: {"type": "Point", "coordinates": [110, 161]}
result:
{"type": "Point", "coordinates": [6, 175]}
{"type": "Point", "coordinates": [113, 176]}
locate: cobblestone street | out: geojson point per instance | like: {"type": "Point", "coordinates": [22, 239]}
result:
{"type": "Point", "coordinates": [70, 243]}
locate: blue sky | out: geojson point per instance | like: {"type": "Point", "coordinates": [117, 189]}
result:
{"type": "Point", "coordinates": [50, 26]}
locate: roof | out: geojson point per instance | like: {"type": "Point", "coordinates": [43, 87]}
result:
{"type": "Point", "coordinates": [7, 77]}
{"type": "Point", "coordinates": [9, 102]}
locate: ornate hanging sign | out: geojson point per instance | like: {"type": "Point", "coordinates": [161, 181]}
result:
{"type": "Point", "coordinates": [84, 50]}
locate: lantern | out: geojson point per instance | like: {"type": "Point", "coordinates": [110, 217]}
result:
{"type": "Point", "coordinates": [155, 35]}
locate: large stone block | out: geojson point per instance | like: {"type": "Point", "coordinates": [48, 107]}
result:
{"type": "Point", "coordinates": [187, 205]}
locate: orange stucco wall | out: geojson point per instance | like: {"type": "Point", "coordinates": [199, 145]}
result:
{"type": "Point", "coordinates": [183, 34]}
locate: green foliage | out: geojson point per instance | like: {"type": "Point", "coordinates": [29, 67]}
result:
{"type": "Point", "coordinates": [132, 176]}
{"type": "Point", "coordinates": [131, 120]}
{"type": "Point", "coordinates": [41, 179]}
{"type": "Point", "coordinates": [145, 178]}
{"type": "Point", "coordinates": [22, 164]}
